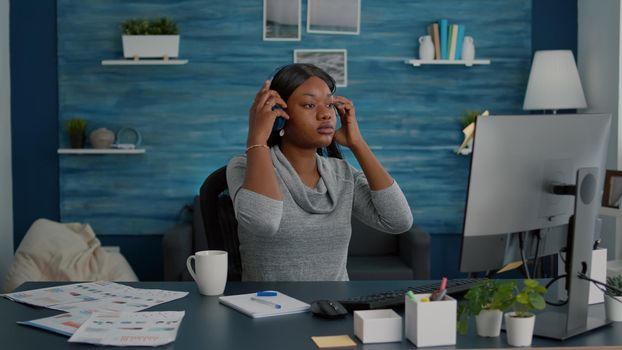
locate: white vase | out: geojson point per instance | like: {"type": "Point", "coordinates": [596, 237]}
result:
{"type": "Point", "coordinates": [613, 308]}
{"type": "Point", "coordinates": [468, 49]}
{"type": "Point", "coordinates": [426, 48]}
{"type": "Point", "coordinates": [519, 329]}
{"type": "Point", "coordinates": [488, 323]}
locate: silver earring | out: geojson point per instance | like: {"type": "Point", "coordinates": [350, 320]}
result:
{"type": "Point", "coordinates": [282, 132]}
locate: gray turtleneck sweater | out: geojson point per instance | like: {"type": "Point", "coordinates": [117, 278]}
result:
{"type": "Point", "coordinates": [305, 236]}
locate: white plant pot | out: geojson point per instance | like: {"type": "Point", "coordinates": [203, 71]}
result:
{"type": "Point", "coordinates": [150, 46]}
{"type": "Point", "coordinates": [613, 308]}
{"type": "Point", "coordinates": [488, 323]}
{"type": "Point", "coordinates": [519, 329]}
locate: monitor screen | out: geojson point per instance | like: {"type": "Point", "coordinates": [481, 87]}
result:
{"type": "Point", "coordinates": [516, 161]}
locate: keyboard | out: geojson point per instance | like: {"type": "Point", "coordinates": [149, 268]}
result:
{"type": "Point", "coordinates": [395, 298]}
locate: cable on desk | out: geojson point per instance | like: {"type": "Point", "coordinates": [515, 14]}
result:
{"type": "Point", "coordinates": [522, 254]}
{"type": "Point", "coordinates": [552, 303]}
{"type": "Point", "coordinates": [535, 262]}
{"type": "Point", "coordinates": [603, 287]}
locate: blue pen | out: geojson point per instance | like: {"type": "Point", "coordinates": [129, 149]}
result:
{"type": "Point", "coordinates": [266, 302]}
{"type": "Point", "coordinates": [266, 294]}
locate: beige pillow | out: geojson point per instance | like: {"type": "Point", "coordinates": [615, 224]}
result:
{"type": "Point", "coordinates": [53, 251]}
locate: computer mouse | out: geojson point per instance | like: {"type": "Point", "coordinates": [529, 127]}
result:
{"type": "Point", "coordinates": [328, 309]}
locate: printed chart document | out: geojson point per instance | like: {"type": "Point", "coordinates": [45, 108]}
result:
{"type": "Point", "coordinates": [264, 306]}
{"type": "Point", "coordinates": [129, 328]}
{"type": "Point", "coordinates": [80, 300]}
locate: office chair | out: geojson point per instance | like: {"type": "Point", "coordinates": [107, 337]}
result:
{"type": "Point", "coordinates": [221, 227]}
{"type": "Point", "coordinates": [372, 254]}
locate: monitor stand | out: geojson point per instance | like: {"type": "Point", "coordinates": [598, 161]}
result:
{"type": "Point", "coordinates": [575, 320]}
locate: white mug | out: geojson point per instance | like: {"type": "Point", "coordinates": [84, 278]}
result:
{"type": "Point", "coordinates": [211, 271]}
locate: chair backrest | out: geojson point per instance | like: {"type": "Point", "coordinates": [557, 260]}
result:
{"type": "Point", "coordinates": [367, 241]}
{"type": "Point", "coordinates": [221, 227]}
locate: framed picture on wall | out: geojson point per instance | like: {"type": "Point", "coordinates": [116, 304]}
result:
{"type": "Point", "coordinates": [334, 62]}
{"type": "Point", "coordinates": [281, 20]}
{"type": "Point", "coordinates": [334, 16]}
{"type": "Point", "coordinates": [613, 189]}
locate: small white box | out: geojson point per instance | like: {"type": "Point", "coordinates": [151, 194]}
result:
{"type": "Point", "coordinates": [378, 326]}
{"type": "Point", "coordinates": [598, 272]}
{"type": "Point", "coordinates": [431, 323]}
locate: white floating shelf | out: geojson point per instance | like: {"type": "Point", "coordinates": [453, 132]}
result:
{"type": "Point", "coordinates": [100, 151]}
{"type": "Point", "coordinates": [468, 63]}
{"type": "Point", "coordinates": [130, 62]}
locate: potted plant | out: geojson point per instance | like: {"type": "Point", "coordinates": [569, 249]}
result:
{"type": "Point", "coordinates": [468, 129]}
{"type": "Point", "coordinates": [486, 301]}
{"type": "Point", "coordinates": [143, 38]}
{"type": "Point", "coordinates": [469, 117]}
{"type": "Point", "coordinates": [76, 128]}
{"type": "Point", "coordinates": [519, 324]}
{"type": "Point", "coordinates": [613, 299]}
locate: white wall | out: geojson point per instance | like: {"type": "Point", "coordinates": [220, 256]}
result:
{"type": "Point", "coordinates": [6, 193]}
{"type": "Point", "coordinates": [598, 60]}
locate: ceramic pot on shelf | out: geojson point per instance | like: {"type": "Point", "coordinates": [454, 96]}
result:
{"type": "Point", "coordinates": [468, 49]}
{"type": "Point", "coordinates": [101, 138]}
{"type": "Point", "coordinates": [426, 48]}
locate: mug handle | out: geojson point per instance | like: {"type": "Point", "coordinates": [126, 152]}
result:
{"type": "Point", "coordinates": [189, 266]}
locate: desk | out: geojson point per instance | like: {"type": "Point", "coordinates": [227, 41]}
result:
{"type": "Point", "coordinates": [210, 325]}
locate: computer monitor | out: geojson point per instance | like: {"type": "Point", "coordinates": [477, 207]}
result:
{"type": "Point", "coordinates": [525, 171]}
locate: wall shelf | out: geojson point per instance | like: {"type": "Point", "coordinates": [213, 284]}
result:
{"type": "Point", "coordinates": [130, 62]}
{"type": "Point", "coordinates": [469, 63]}
{"type": "Point", "coordinates": [100, 151]}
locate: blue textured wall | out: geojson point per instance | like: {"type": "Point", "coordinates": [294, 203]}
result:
{"type": "Point", "coordinates": [194, 117]}
{"type": "Point", "coordinates": [34, 121]}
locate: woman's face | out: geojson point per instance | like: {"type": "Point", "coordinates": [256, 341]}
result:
{"type": "Point", "coordinates": [312, 116]}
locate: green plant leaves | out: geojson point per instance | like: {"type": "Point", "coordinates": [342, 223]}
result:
{"type": "Point", "coordinates": [615, 282]}
{"type": "Point", "coordinates": [75, 126]}
{"type": "Point", "coordinates": [501, 295]}
{"type": "Point", "coordinates": [159, 26]}
{"type": "Point", "coordinates": [487, 294]}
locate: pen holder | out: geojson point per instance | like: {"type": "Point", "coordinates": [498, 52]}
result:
{"type": "Point", "coordinates": [430, 323]}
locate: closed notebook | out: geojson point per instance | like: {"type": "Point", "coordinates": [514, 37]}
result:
{"type": "Point", "coordinates": [257, 308]}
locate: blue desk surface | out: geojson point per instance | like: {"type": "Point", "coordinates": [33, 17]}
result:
{"type": "Point", "coordinates": [211, 325]}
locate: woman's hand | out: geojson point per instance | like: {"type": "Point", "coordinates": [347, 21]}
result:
{"type": "Point", "coordinates": [348, 134]}
{"type": "Point", "coordinates": [261, 117]}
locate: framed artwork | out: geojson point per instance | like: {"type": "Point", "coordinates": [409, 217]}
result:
{"type": "Point", "coordinates": [281, 20]}
{"type": "Point", "coordinates": [334, 16]}
{"type": "Point", "coordinates": [613, 189]}
{"type": "Point", "coordinates": [334, 62]}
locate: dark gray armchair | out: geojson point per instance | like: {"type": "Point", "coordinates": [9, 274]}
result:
{"type": "Point", "coordinates": [372, 255]}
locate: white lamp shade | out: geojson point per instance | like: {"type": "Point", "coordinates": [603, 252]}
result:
{"type": "Point", "coordinates": [554, 82]}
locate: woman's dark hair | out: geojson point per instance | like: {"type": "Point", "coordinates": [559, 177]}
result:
{"type": "Point", "coordinates": [286, 80]}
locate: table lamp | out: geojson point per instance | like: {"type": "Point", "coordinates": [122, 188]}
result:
{"type": "Point", "coordinates": [554, 82]}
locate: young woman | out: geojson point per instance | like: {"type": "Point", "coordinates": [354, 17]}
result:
{"type": "Point", "coordinates": [292, 193]}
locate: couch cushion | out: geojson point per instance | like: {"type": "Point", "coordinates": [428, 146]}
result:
{"type": "Point", "coordinates": [52, 251]}
{"type": "Point", "coordinates": [378, 268]}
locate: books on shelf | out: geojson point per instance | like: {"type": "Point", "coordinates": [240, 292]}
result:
{"type": "Point", "coordinates": [447, 39]}
{"type": "Point", "coordinates": [459, 42]}
{"type": "Point", "coordinates": [435, 40]}
{"type": "Point", "coordinates": [443, 24]}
